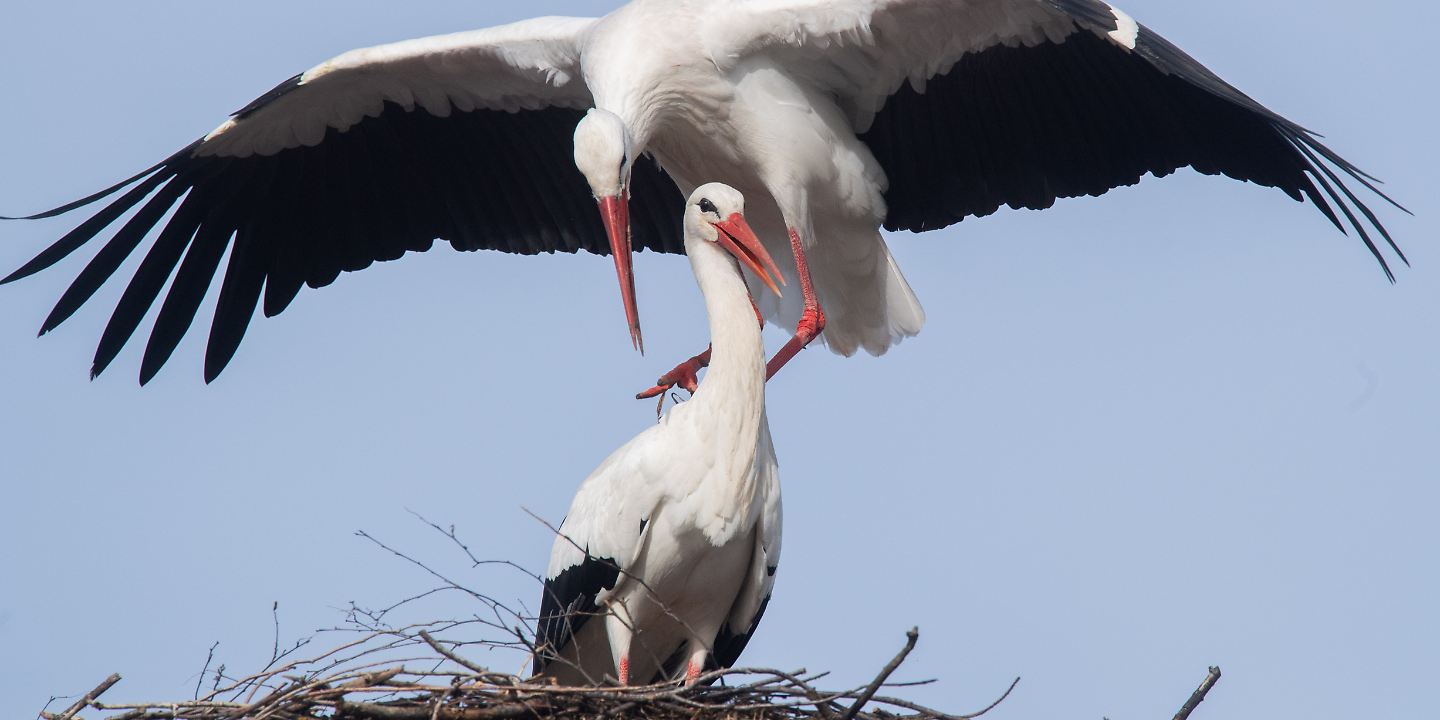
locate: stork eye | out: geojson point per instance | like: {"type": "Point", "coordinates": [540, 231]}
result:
{"type": "Point", "coordinates": [709, 207]}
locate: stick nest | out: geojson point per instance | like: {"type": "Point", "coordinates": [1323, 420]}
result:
{"type": "Point", "coordinates": [381, 669]}
{"type": "Point", "coordinates": [347, 682]}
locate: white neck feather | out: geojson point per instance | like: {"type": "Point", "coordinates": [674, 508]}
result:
{"type": "Point", "coordinates": [737, 359]}
{"type": "Point", "coordinates": [728, 409]}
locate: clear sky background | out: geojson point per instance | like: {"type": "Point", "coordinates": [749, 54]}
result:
{"type": "Point", "coordinates": [1188, 423]}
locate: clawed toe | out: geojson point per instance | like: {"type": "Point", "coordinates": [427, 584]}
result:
{"type": "Point", "coordinates": [684, 375]}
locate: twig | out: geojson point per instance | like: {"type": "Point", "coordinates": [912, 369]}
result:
{"type": "Point", "coordinates": [275, 615]}
{"type": "Point", "coordinates": [203, 671]}
{"type": "Point", "coordinates": [452, 657]}
{"type": "Point", "coordinates": [1198, 696]}
{"type": "Point", "coordinates": [998, 700]}
{"type": "Point", "coordinates": [911, 636]}
{"type": "Point", "coordinates": [89, 697]}
{"type": "Point", "coordinates": [371, 679]}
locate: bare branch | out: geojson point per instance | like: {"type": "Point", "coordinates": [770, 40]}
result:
{"type": "Point", "coordinates": [998, 700]}
{"type": "Point", "coordinates": [89, 697]}
{"type": "Point", "coordinates": [1198, 696]}
{"type": "Point", "coordinates": [481, 672]}
{"type": "Point", "coordinates": [911, 636]}
{"type": "Point", "coordinates": [275, 616]}
{"type": "Point", "coordinates": [209, 656]}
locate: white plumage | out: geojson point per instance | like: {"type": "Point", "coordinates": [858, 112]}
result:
{"type": "Point", "coordinates": [833, 117]}
{"type": "Point", "coordinates": [668, 554]}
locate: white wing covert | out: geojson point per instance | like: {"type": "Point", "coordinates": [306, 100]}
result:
{"type": "Point", "coordinates": [529, 65]}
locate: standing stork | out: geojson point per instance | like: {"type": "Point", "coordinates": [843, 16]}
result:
{"type": "Point", "coordinates": [835, 117]}
{"type": "Point", "coordinates": [673, 541]}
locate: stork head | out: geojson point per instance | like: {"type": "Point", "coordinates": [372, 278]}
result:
{"type": "Point", "coordinates": [715, 214]}
{"type": "Point", "coordinates": [603, 155]}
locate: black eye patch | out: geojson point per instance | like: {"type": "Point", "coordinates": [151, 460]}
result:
{"type": "Point", "coordinates": [707, 206]}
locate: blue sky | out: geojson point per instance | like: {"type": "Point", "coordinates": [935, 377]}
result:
{"type": "Point", "coordinates": [1184, 424]}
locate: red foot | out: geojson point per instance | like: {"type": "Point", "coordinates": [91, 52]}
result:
{"type": "Point", "coordinates": [683, 375]}
{"type": "Point", "coordinates": [812, 323]}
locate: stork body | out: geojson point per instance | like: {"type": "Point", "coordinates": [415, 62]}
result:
{"type": "Point", "coordinates": [667, 556]}
{"type": "Point", "coordinates": [761, 127]}
{"type": "Point", "coordinates": [834, 117]}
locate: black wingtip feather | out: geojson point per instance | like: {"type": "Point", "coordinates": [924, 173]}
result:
{"type": "Point", "coordinates": [88, 199]}
{"type": "Point", "coordinates": [186, 294]}
{"type": "Point", "coordinates": [112, 254]}
{"type": "Point", "coordinates": [1322, 172]}
{"type": "Point", "coordinates": [239, 294]}
{"type": "Point", "coordinates": [87, 230]}
{"type": "Point", "coordinates": [1369, 181]}
{"type": "Point", "coordinates": [149, 279]}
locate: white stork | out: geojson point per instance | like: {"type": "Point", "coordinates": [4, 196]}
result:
{"type": "Point", "coordinates": [835, 117]}
{"type": "Point", "coordinates": [675, 538]}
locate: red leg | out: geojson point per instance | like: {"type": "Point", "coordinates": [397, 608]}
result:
{"type": "Point", "coordinates": [624, 670]}
{"type": "Point", "coordinates": [812, 320]}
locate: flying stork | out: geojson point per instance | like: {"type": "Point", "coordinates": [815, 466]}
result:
{"type": "Point", "coordinates": [672, 543]}
{"type": "Point", "coordinates": [835, 117]}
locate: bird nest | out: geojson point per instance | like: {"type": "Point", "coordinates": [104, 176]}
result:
{"type": "Point", "coordinates": [436, 683]}
{"type": "Point", "coordinates": [379, 668]}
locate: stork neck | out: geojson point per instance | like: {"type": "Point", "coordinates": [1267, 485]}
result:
{"type": "Point", "coordinates": [737, 352]}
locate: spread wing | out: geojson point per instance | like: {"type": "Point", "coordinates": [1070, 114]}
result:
{"type": "Point", "coordinates": [973, 104]}
{"type": "Point", "coordinates": [379, 151]}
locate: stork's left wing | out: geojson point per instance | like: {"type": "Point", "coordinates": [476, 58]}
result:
{"type": "Point", "coordinates": [973, 104]}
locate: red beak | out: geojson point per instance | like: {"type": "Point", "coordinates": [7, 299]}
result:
{"type": "Point", "coordinates": [737, 237]}
{"type": "Point", "coordinates": [615, 212]}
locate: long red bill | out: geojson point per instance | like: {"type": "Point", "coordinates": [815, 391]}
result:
{"type": "Point", "coordinates": [615, 212]}
{"type": "Point", "coordinates": [737, 237]}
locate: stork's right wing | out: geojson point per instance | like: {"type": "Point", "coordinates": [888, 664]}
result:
{"type": "Point", "coordinates": [569, 600]}
{"type": "Point", "coordinates": [599, 539]}
{"type": "Point", "coordinates": [465, 137]}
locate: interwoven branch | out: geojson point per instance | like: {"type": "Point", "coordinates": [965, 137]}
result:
{"type": "Point", "coordinates": [386, 670]}
{"type": "Point", "coordinates": [425, 687]}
